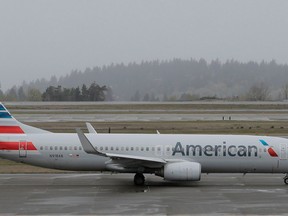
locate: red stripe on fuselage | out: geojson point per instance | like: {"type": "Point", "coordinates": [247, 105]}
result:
{"type": "Point", "coordinates": [15, 146]}
{"type": "Point", "coordinates": [11, 130]}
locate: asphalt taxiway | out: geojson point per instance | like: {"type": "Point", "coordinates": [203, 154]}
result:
{"type": "Point", "coordinates": [106, 194]}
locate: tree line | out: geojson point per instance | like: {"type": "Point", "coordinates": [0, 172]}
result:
{"type": "Point", "coordinates": [94, 92]}
{"type": "Point", "coordinates": [178, 79]}
{"type": "Point", "coordinates": [257, 92]}
{"type": "Point", "coordinates": [20, 94]}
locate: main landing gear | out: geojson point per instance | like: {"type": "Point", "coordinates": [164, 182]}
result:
{"type": "Point", "coordinates": [286, 179]}
{"type": "Point", "coordinates": [139, 179]}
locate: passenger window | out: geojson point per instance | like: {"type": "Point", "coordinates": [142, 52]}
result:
{"type": "Point", "coordinates": [101, 148]}
{"type": "Point", "coordinates": [65, 148]}
{"type": "Point", "coordinates": [127, 148]}
{"type": "Point", "coordinates": [168, 149]}
{"type": "Point", "coordinates": [46, 147]}
{"type": "Point", "coordinates": [70, 148]}
{"type": "Point", "coordinates": [61, 148]}
{"type": "Point", "coordinates": [51, 148]}
{"type": "Point", "coordinates": [41, 148]}
{"type": "Point", "coordinates": [147, 148]}
{"type": "Point", "coordinates": [142, 149]}
{"type": "Point", "coordinates": [80, 148]}
{"type": "Point", "coordinates": [75, 148]}
{"type": "Point", "coordinates": [122, 148]}
{"type": "Point", "coordinates": [95, 147]}
{"type": "Point", "coordinates": [56, 148]}
{"type": "Point", "coordinates": [117, 149]}
{"type": "Point", "coordinates": [132, 149]}
{"type": "Point", "coordinates": [112, 148]}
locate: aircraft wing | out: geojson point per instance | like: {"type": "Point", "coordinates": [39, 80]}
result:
{"type": "Point", "coordinates": [120, 161]}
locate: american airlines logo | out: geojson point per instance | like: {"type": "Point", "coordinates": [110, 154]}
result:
{"type": "Point", "coordinates": [216, 150]}
{"type": "Point", "coordinates": [221, 150]}
{"type": "Point", "coordinates": [271, 151]}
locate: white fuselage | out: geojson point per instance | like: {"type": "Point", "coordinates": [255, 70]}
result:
{"type": "Point", "coordinates": [215, 153]}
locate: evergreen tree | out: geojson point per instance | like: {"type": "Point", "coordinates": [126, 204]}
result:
{"type": "Point", "coordinates": [21, 94]}
{"type": "Point", "coordinates": [85, 93]}
{"type": "Point", "coordinates": [34, 95]}
{"type": "Point", "coordinates": [77, 94]}
{"type": "Point", "coordinates": [1, 95]}
{"type": "Point", "coordinates": [146, 97]}
{"type": "Point", "coordinates": [11, 94]}
{"type": "Point", "coordinates": [285, 91]}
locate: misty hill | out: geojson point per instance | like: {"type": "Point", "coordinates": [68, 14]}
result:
{"type": "Point", "coordinates": [160, 79]}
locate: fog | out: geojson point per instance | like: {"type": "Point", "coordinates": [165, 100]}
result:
{"type": "Point", "coordinates": [41, 38]}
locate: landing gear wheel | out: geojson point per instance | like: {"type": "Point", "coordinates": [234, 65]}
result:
{"type": "Point", "coordinates": [286, 180]}
{"type": "Point", "coordinates": [139, 179]}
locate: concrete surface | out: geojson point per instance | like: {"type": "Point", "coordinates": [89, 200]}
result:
{"type": "Point", "coordinates": [106, 194]}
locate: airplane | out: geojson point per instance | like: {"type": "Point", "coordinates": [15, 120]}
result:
{"type": "Point", "coordinates": [174, 157]}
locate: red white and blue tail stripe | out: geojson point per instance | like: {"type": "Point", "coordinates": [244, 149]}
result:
{"type": "Point", "coordinates": [9, 125]}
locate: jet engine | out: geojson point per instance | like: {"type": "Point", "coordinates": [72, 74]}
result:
{"type": "Point", "coordinates": [181, 171]}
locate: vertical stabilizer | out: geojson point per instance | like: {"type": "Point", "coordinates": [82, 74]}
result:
{"type": "Point", "coordinates": [9, 125]}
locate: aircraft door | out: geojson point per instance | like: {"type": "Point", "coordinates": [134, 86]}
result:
{"type": "Point", "coordinates": [283, 151]}
{"type": "Point", "coordinates": [283, 156]}
{"type": "Point", "coordinates": [22, 149]}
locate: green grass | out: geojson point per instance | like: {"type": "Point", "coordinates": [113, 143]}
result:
{"type": "Point", "coordinates": [151, 106]}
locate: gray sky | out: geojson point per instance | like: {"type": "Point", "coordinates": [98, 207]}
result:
{"type": "Point", "coordinates": [41, 38]}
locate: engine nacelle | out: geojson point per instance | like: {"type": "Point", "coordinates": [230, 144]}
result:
{"type": "Point", "coordinates": [182, 171]}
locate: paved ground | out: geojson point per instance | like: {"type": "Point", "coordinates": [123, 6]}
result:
{"type": "Point", "coordinates": [115, 194]}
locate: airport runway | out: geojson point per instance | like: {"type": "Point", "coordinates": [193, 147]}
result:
{"type": "Point", "coordinates": [105, 194]}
